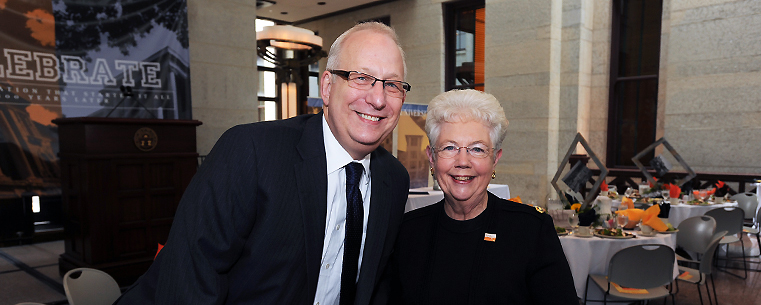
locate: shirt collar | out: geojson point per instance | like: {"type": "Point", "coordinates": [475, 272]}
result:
{"type": "Point", "coordinates": [335, 155]}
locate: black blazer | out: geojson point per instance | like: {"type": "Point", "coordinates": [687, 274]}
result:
{"type": "Point", "coordinates": [524, 265]}
{"type": "Point", "coordinates": [250, 227]}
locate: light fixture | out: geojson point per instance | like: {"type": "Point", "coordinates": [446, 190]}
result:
{"type": "Point", "coordinates": [290, 49]}
{"type": "Point", "coordinates": [288, 37]}
{"type": "Point", "coordinates": [263, 3]}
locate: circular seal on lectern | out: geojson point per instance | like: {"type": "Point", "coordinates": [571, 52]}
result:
{"type": "Point", "coordinates": [146, 139]}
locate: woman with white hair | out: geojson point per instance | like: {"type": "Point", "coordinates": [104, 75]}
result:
{"type": "Point", "coordinates": [473, 247]}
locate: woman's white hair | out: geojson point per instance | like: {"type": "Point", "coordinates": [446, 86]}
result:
{"type": "Point", "coordinates": [466, 106]}
{"type": "Point", "coordinates": [335, 49]}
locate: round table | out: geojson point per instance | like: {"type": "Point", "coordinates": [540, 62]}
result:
{"type": "Point", "coordinates": [591, 255]}
{"type": "Point", "coordinates": [680, 212]}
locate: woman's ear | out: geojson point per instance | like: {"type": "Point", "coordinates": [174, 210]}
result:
{"type": "Point", "coordinates": [429, 152]}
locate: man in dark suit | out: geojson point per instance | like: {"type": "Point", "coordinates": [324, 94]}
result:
{"type": "Point", "coordinates": [264, 219]}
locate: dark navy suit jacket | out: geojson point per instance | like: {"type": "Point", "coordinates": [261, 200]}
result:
{"type": "Point", "coordinates": [250, 227]}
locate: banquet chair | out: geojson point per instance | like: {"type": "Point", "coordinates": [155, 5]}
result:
{"type": "Point", "coordinates": [645, 268]}
{"type": "Point", "coordinates": [730, 220]}
{"type": "Point", "coordinates": [701, 275]}
{"type": "Point", "coordinates": [85, 286]}
{"type": "Point", "coordinates": [694, 235]}
{"type": "Point", "coordinates": [755, 229]}
{"type": "Point", "coordinates": [748, 202]}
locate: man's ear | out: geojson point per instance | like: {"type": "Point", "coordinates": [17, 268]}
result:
{"type": "Point", "coordinates": [325, 83]}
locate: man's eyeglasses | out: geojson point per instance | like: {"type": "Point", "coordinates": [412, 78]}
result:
{"type": "Point", "coordinates": [450, 150]}
{"type": "Point", "coordinates": [362, 81]}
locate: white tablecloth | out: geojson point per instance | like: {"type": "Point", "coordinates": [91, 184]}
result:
{"type": "Point", "coordinates": [592, 255]}
{"type": "Point", "coordinates": [680, 212]}
{"type": "Point", "coordinates": [416, 201]}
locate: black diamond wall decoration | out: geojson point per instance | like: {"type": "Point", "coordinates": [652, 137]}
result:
{"type": "Point", "coordinates": [592, 194]}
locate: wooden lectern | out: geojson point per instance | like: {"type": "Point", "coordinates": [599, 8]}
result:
{"type": "Point", "coordinates": [121, 181]}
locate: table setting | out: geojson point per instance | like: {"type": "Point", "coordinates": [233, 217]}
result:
{"type": "Point", "coordinates": [591, 237]}
{"type": "Point", "coordinates": [614, 222]}
{"type": "Point", "coordinates": [589, 252]}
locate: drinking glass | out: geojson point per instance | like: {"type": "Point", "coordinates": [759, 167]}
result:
{"type": "Point", "coordinates": [622, 220]}
{"type": "Point", "coordinates": [573, 219]}
{"type": "Point", "coordinates": [666, 195]}
{"type": "Point", "coordinates": [703, 194]}
{"type": "Point", "coordinates": [629, 191]}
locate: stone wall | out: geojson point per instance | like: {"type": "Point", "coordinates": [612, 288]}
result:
{"type": "Point", "coordinates": [223, 72]}
{"type": "Point", "coordinates": [712, 98]}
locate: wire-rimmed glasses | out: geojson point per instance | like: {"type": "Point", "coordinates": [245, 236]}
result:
{"type": "Point", "coordinates": [450, 150]}
{"type": "Point", "coordinates": [362, 81]}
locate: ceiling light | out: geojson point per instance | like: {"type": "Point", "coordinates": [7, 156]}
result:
{"type": "Point", "coordinates": [289, 37]}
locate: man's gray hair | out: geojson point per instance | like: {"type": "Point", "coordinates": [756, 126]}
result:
{"type": "Point", "coordinates": [377, 27]}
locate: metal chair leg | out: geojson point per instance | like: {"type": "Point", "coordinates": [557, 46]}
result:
{"type": "Point", "coordinates": [700, 293]}
{"type": "Point", "coordinates": [713, 284]}
{"type": "Point", "coordinates": [586, 291]}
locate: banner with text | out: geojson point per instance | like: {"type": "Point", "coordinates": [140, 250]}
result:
{"type": "Point", "coordinates": [98, 58]}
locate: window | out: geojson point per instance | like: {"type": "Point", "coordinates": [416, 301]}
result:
{"type": "Point", "coordinates": [464, 30]}
{"type": "Point", "coordinates": [268, 93]}
{"type": "Point", "coordinates": [292, 81]}
{"type": "Point", "coordinates": [635, 55]}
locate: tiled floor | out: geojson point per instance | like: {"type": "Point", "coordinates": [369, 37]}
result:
{"type": "Point", "coordinates": [29, 273]}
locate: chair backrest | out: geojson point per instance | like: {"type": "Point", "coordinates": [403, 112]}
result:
{"type": "Point", "coordinates": [707, 260]}
{"type": "Point", "coordinates": [85, 286]}
{"type": "Point", "coordinates": [642, 266]}
{"type": "Point", "coordinates": [695, 233]}
{"type": "Point", "coordinates": [748, 202]}
{"type": "Point", "coordinates": [730, 220]}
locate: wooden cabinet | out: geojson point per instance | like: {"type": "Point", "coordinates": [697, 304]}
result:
{"type": "Point", "coordinates": [121, 181]}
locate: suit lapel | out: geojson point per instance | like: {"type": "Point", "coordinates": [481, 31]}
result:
{"type": "Point", "coordinates": [377, 225]}
{"type": "Point", "coordinates": [312, 184]}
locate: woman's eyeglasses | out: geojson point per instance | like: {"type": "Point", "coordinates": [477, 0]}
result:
{"type": "Point", "coordinates": [451, 150]}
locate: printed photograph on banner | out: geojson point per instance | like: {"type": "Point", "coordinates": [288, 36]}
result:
{"type": "Point", "coordinates": [411, 142]}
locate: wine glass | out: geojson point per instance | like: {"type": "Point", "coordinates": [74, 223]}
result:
{"type": "Point", "coordinates": [666, 195]}
{"type": "Point", "coordinates": [622, 220]}
{"type": "Point", "coordinates": [629, 191]}
{"type": "Point", "coordinates": [703, 194]}
{"type": "Point", "coordinates": [573, 219]}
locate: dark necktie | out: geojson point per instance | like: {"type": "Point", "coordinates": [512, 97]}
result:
{"type": "Point", "coordinates": [353, 237]}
